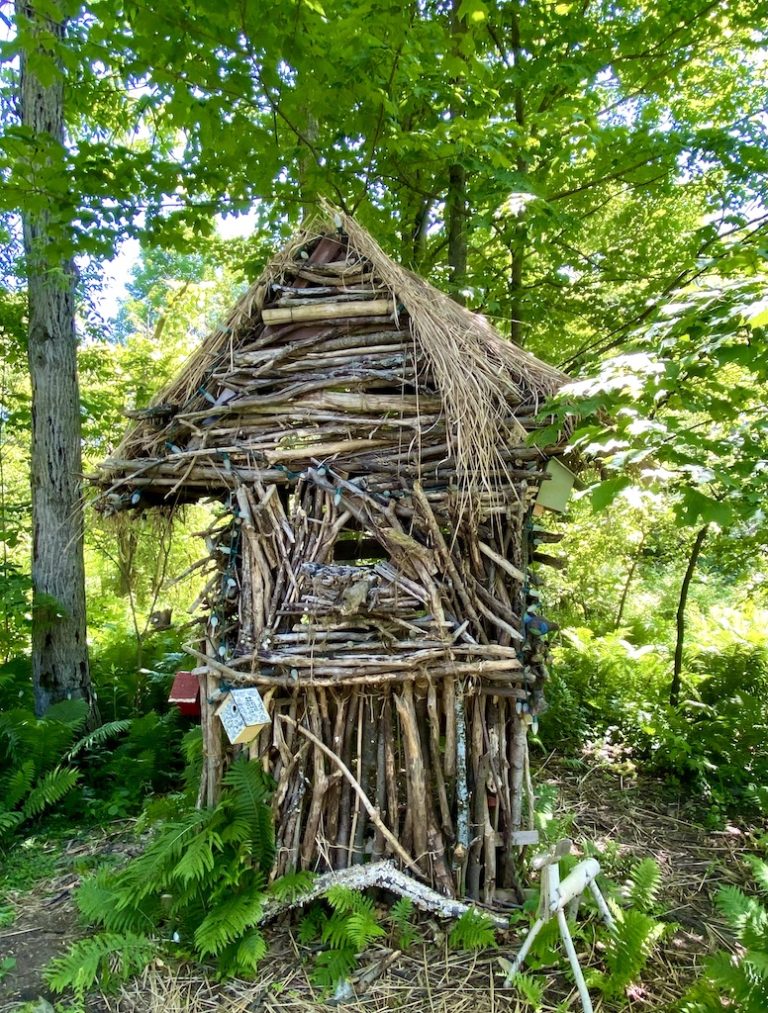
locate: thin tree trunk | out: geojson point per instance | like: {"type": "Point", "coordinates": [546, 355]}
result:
{"type": "Point", "coordinates": [456, 215]}
{"type": "Point", "coordinates": [674, 689]}
{"type": "Point", "coordinates": [307, 184]}
{"type": "Point", "coordinates": [628, 582]}
{"type": "Point", "coordinates": [59, 648]}
{"type": "Point", "coordinates": [456, 199]}
{"type": "Point", "coordinates": [517, 248]}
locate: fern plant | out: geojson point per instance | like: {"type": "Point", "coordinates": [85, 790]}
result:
{"type": "Point", "coordinates": [201, 883]}
{"type": "Point", "coordinates": [738, 980]}
{"type": "Point", "coordinates": [404, 932]}
{"type": "Point", "coordinates": [637, 932]}
{"type": "Point", "coordinates": [346, 930]}
{"type": "Point", "coordinates": [38, 755]}
{"type": "Point", "coordinates": [626, 950]}
{"type": "Point", "coordinates": [643, 885]}
{"type": "Point", "coordinates": [474, 930]}
{"type": "Point", "coordinates": [109, 958]}
{"type": "Point", "coordinates": [31, 751]}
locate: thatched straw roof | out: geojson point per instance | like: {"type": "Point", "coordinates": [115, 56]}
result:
{"type": "Point", "coordinates": [484, 383]}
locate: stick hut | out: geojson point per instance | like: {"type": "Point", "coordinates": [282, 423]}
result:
{"type": "Point", "coordinates": [372, 575]}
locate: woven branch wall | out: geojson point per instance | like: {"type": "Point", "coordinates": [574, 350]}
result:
{"type": "Point", "coordinates": [368, 580]}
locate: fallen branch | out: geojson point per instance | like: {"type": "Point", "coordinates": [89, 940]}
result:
{"type": "Point", "coordinates": [386, 876]}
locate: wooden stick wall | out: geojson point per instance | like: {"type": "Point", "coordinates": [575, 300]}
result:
{"type": "Point", "coordinates": [414, 671]}
{"type": "Point", "coordinates": [378, 605]}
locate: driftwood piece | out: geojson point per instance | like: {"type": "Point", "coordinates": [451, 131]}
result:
{"type": "Point", "coordinates": [383, 876]}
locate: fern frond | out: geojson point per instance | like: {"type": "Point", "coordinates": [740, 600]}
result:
{"type": "Point", "coordinates": [249, 792]}
{"type": "Point", "coordinates": [18, 785]}
{"type": "Point", "coordinates": [198, 859]}
{"type": "Point", "coordinates": [759, 871]}
{"type": "Point", "coordinates": [251, 785]}
{"type": "Point", "coordinates": [334, 931]}
{"type": "Point", "coordinates": [757, 961]}
{"type": "Point", "coordinates": [362, 929]}
{"type": "Point", "coordinates": [108, 959]}
{"type": "Point", "coordinates": [401, 915]}
{"type": "Point", "coordinates": [474, 930]}
{"type": "Point", "coordinates": [101, 902]}
{"type": "Point", "coordinates": [734, 905]}
{"type": "Point", "coordinates": [644, 884]}
{"type": "Point", "coordinates": [228, 920]}
{"type": "Point", "coordinates": [311, 925]}
{"type": "Point", "coordinates": [401, 912]}
{"type": "Point", "coordinates": [292, 885]}
{"type": "Point", "coordinates": [333, 966]}
{"type": "Point", "coordinates": [733, 980]}
{"type": "Point", "coordinates": [346, 901]}
{"type": "Point", "coordinates": [531, 989]}
{"type": "Point", "coordinates": [627, 951]}
{"type": "Point", "coordinates": [50, 789]}
{"type": "Point", "coordinates": [249, 954]}
{"type": "Point", "coordinates": [9, 822]}
{"type": "Point", "coordinates": [98, 736]}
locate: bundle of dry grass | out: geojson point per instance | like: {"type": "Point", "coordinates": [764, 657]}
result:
{"type": "Point", "coordinates": [486, 391]}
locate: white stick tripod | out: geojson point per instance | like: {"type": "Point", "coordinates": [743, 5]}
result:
{"type": "Point", "coordinates": [556, 896]}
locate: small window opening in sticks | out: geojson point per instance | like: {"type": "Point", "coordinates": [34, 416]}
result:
{"type": "Point", "coordinates": [358, 548]}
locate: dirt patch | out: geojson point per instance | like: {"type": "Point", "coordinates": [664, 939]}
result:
{"type": "Point", "coordinates": [42, 932]}
{"type": "Point", "coordinates": [46, 921]}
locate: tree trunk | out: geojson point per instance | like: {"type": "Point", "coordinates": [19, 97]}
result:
{"type": "Point", "coordinates": [674, 689]}
{"type": "Point", "coordinates": [456, 215]}
{"type": "Point", "coordinates": [59, 648]}
{"type": "Point", "coordinates": [456, 199]}
{"type": "Point", "coordinates": [627, 584]}
{"type": "Point", "coordinates": [517, 247]}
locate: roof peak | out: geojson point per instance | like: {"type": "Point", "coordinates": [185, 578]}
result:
{"type": "Point", "coordinates": [333, 275]}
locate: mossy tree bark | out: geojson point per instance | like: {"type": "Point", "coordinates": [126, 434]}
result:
{"type": "Point", "coordinates": [59, 649]}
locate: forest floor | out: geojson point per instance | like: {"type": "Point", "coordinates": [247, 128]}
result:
{"type": "Point", "coordinates": [626, 819]}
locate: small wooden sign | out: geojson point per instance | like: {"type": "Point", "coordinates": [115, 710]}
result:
{"type": "Point", "coordinates": [555, 493]}
{"type": "Point", "coordinates": [243, 715]}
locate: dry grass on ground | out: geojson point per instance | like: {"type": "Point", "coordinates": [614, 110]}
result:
{"type": "Point", "coordinates": [626, 820]}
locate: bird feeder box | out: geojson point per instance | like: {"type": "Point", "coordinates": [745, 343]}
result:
{"type": "Point", "coordinates": [555, 491]}
{"type": "Point", "coordinates": [185, 694]}
{"type": "Point", "coordinates": [243, 715]}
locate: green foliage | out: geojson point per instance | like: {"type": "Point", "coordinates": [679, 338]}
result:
{"type": "Point", "coordinates": [643, 885]}
{"type": "Point", "coordinates": [31, 750]}
{"type": "Point", "coordinates": [702, 440]}
{"type": "Point", "coordinates": [109, 958]}
{"type": "Point", "coordinates": [292, 885]}
{"type": "Point", "coordinates": [608, 694]}
{"type": "Point", "coordinates": [624, 951]}
{"type": "Point", "coordinates": [345, 922]}
{"type": "Point", "coordinates": [738, 979]}
{"type": "Point", "coordinates": [627, 950]}
{"type": "Point", "coordinates": [201, 880]}
{"type": "Point", "coordinates": [474, 930]}
{"type": "Point", "coordinates": [532, 989]}
{"type": "Point", "coordinates": [404, 932]}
